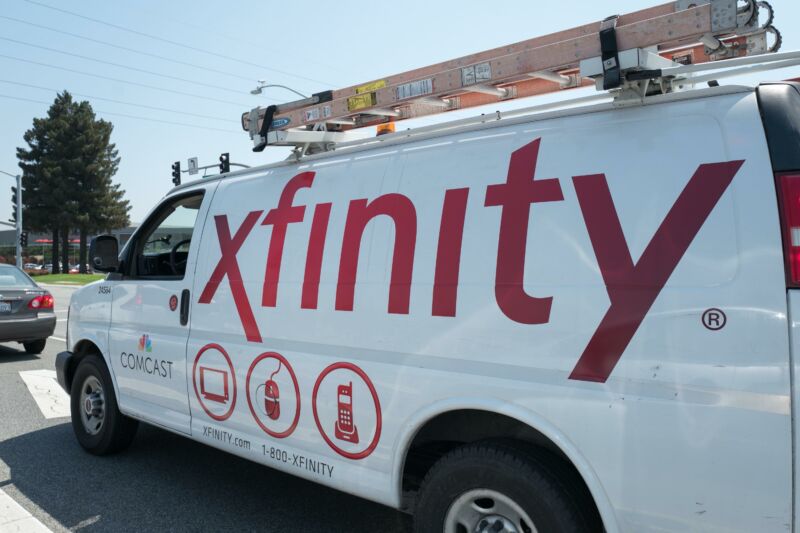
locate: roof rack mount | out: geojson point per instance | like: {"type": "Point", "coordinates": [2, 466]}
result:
{"type": "Point", "coordinates": [627, 54]}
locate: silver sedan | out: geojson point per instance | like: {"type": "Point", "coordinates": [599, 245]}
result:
{"type": "Point", "coordinates": [26, 310]}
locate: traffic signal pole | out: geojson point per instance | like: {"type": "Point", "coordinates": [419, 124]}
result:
{"type": "Point", "coordinates": [224, 167]}
{"type": "Point", "coordinates": [17, 177]}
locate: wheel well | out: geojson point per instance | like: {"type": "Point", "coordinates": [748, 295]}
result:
{"type": "Point", "coordinates": [450, 430]}
{"type": "Point", "coordinates": [82, 349]}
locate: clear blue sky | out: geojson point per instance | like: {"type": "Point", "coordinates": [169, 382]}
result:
{"type": "Point", "coordinates": [293, 43]}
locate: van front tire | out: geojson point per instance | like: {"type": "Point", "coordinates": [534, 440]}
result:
{"type": "Point", "coordinates": [99, 426]}
{"type": "Point", "coordinates": [498, 486]}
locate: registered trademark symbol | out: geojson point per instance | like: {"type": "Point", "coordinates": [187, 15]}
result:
{"type": "Point", "coordinates": [714, 319]}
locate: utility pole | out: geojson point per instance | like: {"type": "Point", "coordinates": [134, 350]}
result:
{"type": "Point", "coordinates": [19, 221]}
{"type": "Point", "coordinates": [18, 177]}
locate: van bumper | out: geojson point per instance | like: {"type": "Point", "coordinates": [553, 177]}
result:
{"type": "Point", "coordinates": [62, 363]}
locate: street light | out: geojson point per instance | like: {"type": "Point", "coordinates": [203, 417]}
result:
{"type": "Point", "coordinates": [263, 85]}
{"type": "Point", "coordinates": [18, 177]}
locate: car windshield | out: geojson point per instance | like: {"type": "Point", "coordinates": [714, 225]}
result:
{"type": "Point", "coordinates": [11, 276]}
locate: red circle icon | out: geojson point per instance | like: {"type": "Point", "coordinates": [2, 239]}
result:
{"type": "Point", "coordinates": [173, 302]}
{"type": "Point", "coordinates": [272, 397]}
{"type": "Point", "coordinates": [345, 426]}
{"type": "Point", "coordinates": [214, 383]}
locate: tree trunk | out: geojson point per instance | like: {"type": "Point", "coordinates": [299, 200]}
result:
{"type": "Point", "coordinates": [65, 250]}
{"type": "Point", "coordinates": [82, 256]}
{"type": "Point", "coordinates": [54, 260]}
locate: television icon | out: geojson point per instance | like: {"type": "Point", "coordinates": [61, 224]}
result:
{"type": "Point", "coordinates": [214, 384]}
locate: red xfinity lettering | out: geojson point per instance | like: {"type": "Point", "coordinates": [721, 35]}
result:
{"type": "Point", "coordinates": [516, 196]}
{"type": "Point", "coordinates": [229, 266]}
{"type": "Point", "coordinates": [280, 218]}
{"type": "Point", "coordinates": [448, 253]}
{"type": "Point", "coordinates": [633, 288]}
{"type": "Point", "coordinates": [402, 212]}
{"type": "Point", "coordinates": [316, 247]}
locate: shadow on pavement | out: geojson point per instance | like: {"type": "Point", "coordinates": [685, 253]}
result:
{"type": "Point", "coordinates": [167, 482]}
{"type": "Point", "coordinates": [10, 355]}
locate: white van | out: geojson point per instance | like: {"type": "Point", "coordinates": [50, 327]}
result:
{"type": "Point", "coordinates": [578, 320]}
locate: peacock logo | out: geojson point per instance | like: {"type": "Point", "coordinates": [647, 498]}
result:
{"type": "Point", "coordinates": [144, 343]}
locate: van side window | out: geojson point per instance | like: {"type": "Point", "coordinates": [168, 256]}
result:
{"type": "Point", "coordinates": [161, 250]}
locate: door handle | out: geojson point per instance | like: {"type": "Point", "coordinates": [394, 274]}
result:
{"type": "Point", "coordinates": [184, 307]}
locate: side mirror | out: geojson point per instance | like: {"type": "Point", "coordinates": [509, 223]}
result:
{"type": "Point", "coordinates": [104, 253]}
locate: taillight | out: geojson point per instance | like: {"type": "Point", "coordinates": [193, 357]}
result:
{"type": "Point", "coordinates": [43, 301]}
{"type": "Point", "coordinates": [789, 201]}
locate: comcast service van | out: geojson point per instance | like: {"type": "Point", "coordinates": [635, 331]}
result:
{"type": "Point", "coordinates": [572, 319]}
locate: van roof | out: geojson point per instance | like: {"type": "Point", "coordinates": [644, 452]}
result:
{"type": "Point", "coordinates": [565, 108]}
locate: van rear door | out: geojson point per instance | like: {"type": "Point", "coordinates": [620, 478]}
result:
{"type": "Point", "coordinates": [780, 110]}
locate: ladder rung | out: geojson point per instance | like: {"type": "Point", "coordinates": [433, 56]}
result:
{"type": "Point", "coordinates": [383, 112]}
{"type": "Point", "coordinates": [342, 121]}
{"type": "Point", "coordinates": [436, 102]}
{"type": "Point", "coordinates": [488, 89]}
{"type": "Point", "coordinates": [551, 76]}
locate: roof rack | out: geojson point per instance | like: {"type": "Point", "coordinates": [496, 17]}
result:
{"type": "Point", "coordinates": [631, 55]}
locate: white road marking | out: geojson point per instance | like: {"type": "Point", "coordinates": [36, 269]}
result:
{"type": "Point", "coordinates": [14, 518]}
{"type": "Point", "coordinates": [58, 338]}
{"type": "Point", "coordinates": [48, 394]}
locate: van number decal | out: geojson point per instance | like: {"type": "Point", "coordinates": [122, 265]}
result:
{"type": "Point", "coordinates": [632, 286]}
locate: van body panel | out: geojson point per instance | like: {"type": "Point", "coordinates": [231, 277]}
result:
{"type": "Point", "coordinates": [780, 110]}
{"type": "Point", "coordinates": [147, 341]}
{"type": "Point", "coordinates": [365, 286]}
{"type": "Point", "coordinates": [89, 319]}
{"type": "Point", "coordinates": [793, 298]}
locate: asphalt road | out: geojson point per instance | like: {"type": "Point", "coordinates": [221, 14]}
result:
{"type": "Point", "coordinates": [162, 482]}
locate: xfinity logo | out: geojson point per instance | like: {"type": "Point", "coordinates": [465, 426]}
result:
{"type": "Point", "coordinates": [146, 364]}
{"type": "Point", "coordinates": [632, 286]}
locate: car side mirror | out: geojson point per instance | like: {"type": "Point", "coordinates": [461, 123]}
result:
{"type": "Point", "coordinates": [104, 251]}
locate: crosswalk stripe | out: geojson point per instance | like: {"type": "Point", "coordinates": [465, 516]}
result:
{"type": "Point", "coordinates": [14, 518]}
{"type": "Point", "coordinates": [48, 394]}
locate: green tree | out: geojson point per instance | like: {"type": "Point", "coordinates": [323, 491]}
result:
{"type": "Point", "coordinates": [67, 176]}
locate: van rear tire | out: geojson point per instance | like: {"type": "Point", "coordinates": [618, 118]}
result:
{"type": "Point", "coordinates": [498, 484]}
{"type": "Point", "coordinates": [100, 427]}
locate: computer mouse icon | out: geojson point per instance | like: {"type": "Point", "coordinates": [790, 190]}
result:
{"type": "Point", "coordinates": [272, 399]}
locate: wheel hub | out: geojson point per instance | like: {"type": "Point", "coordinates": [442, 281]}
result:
{"type": "Point", "coordinates": [495, 523]}
{"type": "Point", "coordinates": [483, 510]}
{"type": "Point", "coordinates": [92, 402]}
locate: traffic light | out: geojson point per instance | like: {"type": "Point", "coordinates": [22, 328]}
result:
{"type": "Point", "coordinates": [176, 173]}
{"type": "Point", "coordinates": [23, 239]}
{"type": "Point", "coordinates": [224, 163]}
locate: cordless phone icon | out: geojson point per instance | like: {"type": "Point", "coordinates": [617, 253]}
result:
{"type": "Point", "coordinates": [345, 429]}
